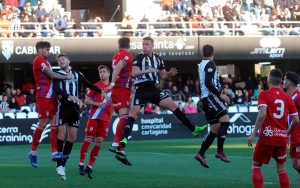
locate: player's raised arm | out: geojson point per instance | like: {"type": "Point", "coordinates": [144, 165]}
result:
{"type": "Point", "coordinates": [54, 75]}
{"type": "Point", "coordinates": [88, 83]}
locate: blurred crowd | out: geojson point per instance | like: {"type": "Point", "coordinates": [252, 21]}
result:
{"type": "Point", "coordinates": [184, 90]}
{"type": "Point", "coordinates": [201, 17]}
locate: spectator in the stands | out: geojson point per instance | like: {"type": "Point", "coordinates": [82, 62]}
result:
{"type": "Point", "coordinates": [13, 106]}
{"type": "Point", "coordinates": [4, 85]}
{"type": "Point", "coordinates": [40, 12]}
{"type": "Point", "coordinates": [157, 110]}
{"type": "Point", "coordinates": [12, 3]}
{"type": "Point", "coordinates": [142, 26]}
{"type": "Point", "coordinates": [148, 108]}
{"type": "Point", "coordinates": [95, 24]}
{"type": "Point", "coordinates": [177, 95]}
{"type": "Point", "coordinates": [15, 24]}
{"type": "Point", "coordinates": [27, 85]}
{"type": "Point", "coordinates": [33, 3]}
{"type": "Point", "coordinates": [29, 27]}
{"type": "Point", "coordinates": [22, 4]}
{"type": "Point", "coordinates": [20, 97]}
{"type": "Point", "coordinates": [4, 25]}
{"type": "Point", "coordinates": [190, 107]}
{"type": "Point", "coordinates": [54, 13]}
{"type": "Point", "coordinates": [229, 93]}
{"type": "Point", "coordinates": [240, 97]}
{"type": "Point", "coordinates": [27, 10]}
{"type": "Point", "coordinates": [31, 99]}
{"type": "Point", "coordinates": [186, 91]}
{"type": "Point", "coordinates": [167, 5]}
{"type": "Point", "coordinates": [4, 106]}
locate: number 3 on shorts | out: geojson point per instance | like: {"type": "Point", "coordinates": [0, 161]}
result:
{"type": "Point", "coordinates": [280, 109]}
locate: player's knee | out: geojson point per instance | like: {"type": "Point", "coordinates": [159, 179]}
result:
{"type": "Point", "coordinates": [71, 138]}
{"type": "Point", "coordinates": [99, 140]}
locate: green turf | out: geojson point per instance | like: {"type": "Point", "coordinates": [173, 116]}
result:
{"type": "Point", "coordinates": [163, 163]}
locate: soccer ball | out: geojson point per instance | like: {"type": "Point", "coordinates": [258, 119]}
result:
{"type": "Point", "coordinates": [60, 24]}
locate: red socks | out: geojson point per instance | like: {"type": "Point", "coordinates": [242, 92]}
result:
{"type": "Point", "coordinates": [283, 179]}
{"type": "Point", "coordinates": [257, 178]}
{"type": "Point", "coordinates": [84, 148]}
{"type": "Point", "coordinates": [94, 153]}
{"type": "Point", "coordinates": [120, 129]}
{"type": "Point", "coordinates": [53, 138]}
{"type": "Point", "coordinates": [36, 137]}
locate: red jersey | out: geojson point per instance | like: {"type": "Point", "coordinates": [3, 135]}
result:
{"type": "Point", "coordinates": [44, 84]}
{"type": "Point", "coordinates": [279, 106]}
{"type": "Point", "coordinates": [102, 113]}
{"type": "Point", "coordinates": [123, 78]}
{"type": "Point", "coordinates": [295, 135]}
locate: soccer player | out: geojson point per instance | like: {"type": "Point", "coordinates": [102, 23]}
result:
{"type": "Point", "coordinates": [274, 107]}
{"type": "Point", "coordinates": [290, 85]}
{"type": "Point", "coordinates": [147, 67]}
{"type": "Point", "coordinates": [214, 105]}
{"type": "Point", "coordinates": [98, 123]}
{"type": "Point", "coordinates": [46, 100]}
{"type": "Point", "coordinates": [120, 88]}
{"type": "Point", "coordinates": [68, 110]}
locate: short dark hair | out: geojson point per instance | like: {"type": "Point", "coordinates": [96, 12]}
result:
{"type": "Point", "coordinates": [62, 55]}
{"type": "Point", "coordinates": [104, 67]}
{"type": "Point", "coordinates": [293, 77]}
{"type": "Point", "coordinates": [275, 76]}
{"type": "Point", "coordinates": [42, 44]}
{"type": "Point", "coordinates": [149, 38]}
{"type": "Point", "coordinates": [124, 42]}
{"type": "Point", "coordinates": [207, 50]}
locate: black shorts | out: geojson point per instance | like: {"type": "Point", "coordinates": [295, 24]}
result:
{"type": "Point", "coordinates": [214, 108]}
{"type": "Point", "coordinates": [68, 113]}
{"type": "Point", "coordinates": [143, 95]}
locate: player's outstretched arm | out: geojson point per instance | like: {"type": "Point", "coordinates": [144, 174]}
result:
{"type": "Point", "coordinates": [90, 101]}
{"type": "Point", "coordinates": [262, 113]}
{"type": "Point", "coordinates": [88, 83]}
{"type": "Point", "coordinates": [57, 76]}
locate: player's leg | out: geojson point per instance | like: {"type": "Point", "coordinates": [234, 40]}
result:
{"type": "Point", "coordinates": [133, 114]}
{"type": "Point", "coordinates": [279, 155]}
{"type": "Point", "coordinates": [169, 104]}
{"type": "Point", "coordinates": [207, 141]}
{"type": "Point", "coordinates": [222, 133]}
{"type": "Point", "coordinates": [90, 133]}
{"type": "Point", "coordinates": [123, 116]}
{"type": "Point", "coordinates": [257, 177]}
{"type": "Point", "coordinates": [62, 129]}
{"type": "Point", "coordinates": [71, 139]}
{"type": "Point", "coordinates": [53, 139]}
{"type": "Point", "coordinates": [35, 142]}
{"type": "Point", "coordinates": [261, 155]}
{"type": "Point", "coordinates": [295, 156]}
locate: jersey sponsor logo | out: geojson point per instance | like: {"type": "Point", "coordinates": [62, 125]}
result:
{"type": "Point", "coordinates": [126, 57]}
{"type": "Point", "coordinates": [7, 48]}
{"type": "Point", "coordinates": [268, 131]}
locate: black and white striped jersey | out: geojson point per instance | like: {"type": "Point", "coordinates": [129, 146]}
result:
{"type": "Point", "coordinates": [209, 78]}
{"type": "Point", "coordinates": [71, 87]}
{"type": "Point", "coordinates": [144, 61]}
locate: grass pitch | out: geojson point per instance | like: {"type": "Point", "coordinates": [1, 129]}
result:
{"type": "Point", "coordinates": [163, 163]}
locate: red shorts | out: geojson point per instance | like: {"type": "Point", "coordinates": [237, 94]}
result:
{"type": "Point", "coordinates": [263, 153]}
{"type": "Point", "coordinates": [97, 128]}
{"type": "Point", "coordinates": [46, 107]}
{"type": "Point", "coordinates": [295, 151]}
{"type": "Point", "coordinates": [120, 98]}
